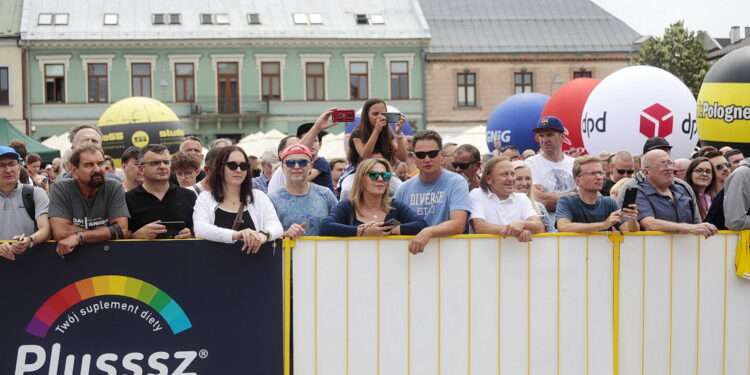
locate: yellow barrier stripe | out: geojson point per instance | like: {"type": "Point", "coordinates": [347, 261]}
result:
{"type": "Point", "coordinates": [587, 307]}
{"type": "Point", "coordinates": [616, 239]}
{"type": "Point", "coordinates": [438, 306]}
{"type": "Point", "coordinates": [671, 276]}
{"type": "Point", "coordinates": [558, 306]}
{"type": "Point", "coordinates": [724, 340]}
{"type": "Point", "coordinates": [315, 306]}
{"type": "Point", "coordinates": [468, 308]}
{"type": "Point", "coordinates": [408, 310]}
{"type": "Point", "coordinates": [698, 313]}
{"type": "Point", "coordinates": [499, 254]}
{"type": "Point", "coordinates": [287, 246]}
{"type": "Point", "coordinates": [643, 309]}
{"type": "Point", "coordinates": [347, 307]}
{"type": "Point", "coordinates": [377, 271]}
{"type": "Point", "coordinates": [528, 308]}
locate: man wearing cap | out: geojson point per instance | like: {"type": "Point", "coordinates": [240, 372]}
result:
{"type": "Point", "coordinates": [17, 221]}
{"type": "Point", "coordinates": [656, 143]}
{"type": "Point", "coordinates": [551, 169]}
{"type": "Point", "coordinates": [300, 204]}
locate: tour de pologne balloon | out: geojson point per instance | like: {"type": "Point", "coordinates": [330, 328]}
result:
{"type": "Point", "coordinates": [567, 104]}
{"type": "Point", "coordinates": [512, 120]}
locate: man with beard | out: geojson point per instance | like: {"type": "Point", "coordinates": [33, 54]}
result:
{"type": "Point", "coordinates": [88, 207]}
{"type": "Point", "coordinates": [157, 200]}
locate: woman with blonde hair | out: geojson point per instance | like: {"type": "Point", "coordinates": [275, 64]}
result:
{"type": "Point", "coordinates": [370, 211]}
{"type": "Point", "coordinates": [524, 185]}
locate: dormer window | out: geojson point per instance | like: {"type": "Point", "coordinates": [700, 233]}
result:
{"type": "Point", "coordinates": [53, 19]}
{"type": "Point", "coordinates": [45, 19]}
{"type": "Point", "coordinates": [158, 19]}
{"type": "Point", "coordinates": [369, 19]}
{"type": "Point", "coordinates": [175, 19]}
{"type": "Point", "coordinates": [308, 18]}
{"type": "Point", "coordinates": [111, 19]}
{"type": "Point", "coordinates": [253, 19]}
{"type": "Point", "coordinates": [61, 19]}
{"type": "Point", "coordinates": [362, 19]}
{"type": "Point", "coordinates": [222, 19]}
{"type": "Point", "coordinates": [316, 18]}
{"type": "Point", "coordinates": [301, 18]}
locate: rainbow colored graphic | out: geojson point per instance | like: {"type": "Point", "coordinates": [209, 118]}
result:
{"type": "Point", "coordinates": [108, 285]}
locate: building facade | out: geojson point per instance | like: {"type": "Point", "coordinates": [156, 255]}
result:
{"type": "Point", "coordinates": [226, 70]}
{"type": "Point", "coordinates": [488, 50]}
{"type": "Point", "coordinates": [11, 64]}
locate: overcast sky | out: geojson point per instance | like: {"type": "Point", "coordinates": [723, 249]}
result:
{"type": "Point", "coordinates": [651, 17]}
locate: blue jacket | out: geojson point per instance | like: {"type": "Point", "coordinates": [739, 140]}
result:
{"type": "Point", "coordinates": [337, 223]}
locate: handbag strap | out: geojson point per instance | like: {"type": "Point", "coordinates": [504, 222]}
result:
{"type": "Point", "coordinates": [238, 218]}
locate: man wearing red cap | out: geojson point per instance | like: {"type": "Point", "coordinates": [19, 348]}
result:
{"type": "Point", "coordinates": [300, 204]}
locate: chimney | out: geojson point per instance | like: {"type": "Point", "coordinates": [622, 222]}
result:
{"type": "Point", "coordinates": [734, 34]}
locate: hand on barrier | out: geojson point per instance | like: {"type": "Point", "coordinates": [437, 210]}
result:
{"type": "Point", "coordinates": [184, 233]}
{"type": "Point", "coordinates": [705, 229]}
{"type": "Point", "coordinates": [252, 240]}
{"type": "Point", "coordinates": [419, 241]}
{"type": "Point", "coordinates": [295, 230]}
{"type": "Point", "coordinates": [525, 236]}
{"type": "Point", "coordinates": [21, 245]}
{"type": "Point", "coordinates": [376, 229]}
{"type": "Point", "coordinates": [6, 251]}
{"type": "Point", "coordinates": [67, 245]}
{"type": "Point", "coordinates": [513, 229]}
{"type": "Point", "coordinates": [150, 231]}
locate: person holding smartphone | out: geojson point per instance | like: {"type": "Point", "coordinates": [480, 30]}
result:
{"type": "Point", "coordinates": [373, 135]}
{"type": "Point", "coordinates": [370, 211]}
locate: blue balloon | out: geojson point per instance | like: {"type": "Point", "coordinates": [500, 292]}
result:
{"type": "Point", "coordinates": [407, 127]}
{"type": "Point", "coordinates": [512, 120]}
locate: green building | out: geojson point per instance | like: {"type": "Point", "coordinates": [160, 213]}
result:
{"type": "Point", "coordinates": [227, 68]}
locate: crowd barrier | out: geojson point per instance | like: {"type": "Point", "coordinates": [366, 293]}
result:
{"type": "Point", "coordinates": [643, 303]}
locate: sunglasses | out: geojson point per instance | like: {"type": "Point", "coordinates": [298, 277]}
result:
{"type": "Point", "coordinates": [422, 154]}
{"type": "Point", "coordinates": [156, 163]}
{"type": "Point", "coordinates": [721, 166]}
{"type": "Point", "coordinates": [233, 165]}
{"type": "Point", "coordinates": [461, 165]}
{"type": "Point", "coordinates": [301, 162]}
{"type": "Point", "coordinates": [623, 171]}
{"type": "Point", "coordinates": [386, 176]}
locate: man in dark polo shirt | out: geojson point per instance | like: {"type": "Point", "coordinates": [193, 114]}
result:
{"type": "Point", "coordinates": [157, 200]}
{"type": "Point", "coordinates": [663, 204]}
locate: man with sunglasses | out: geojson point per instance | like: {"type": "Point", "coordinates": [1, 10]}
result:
{"type": "Point", "coordinates": [301, 205]}
{"type": "Point", "coordinates": [157, 200]}
{"type": "Point", "coordinates": [88, 208]}
{"type": "Point", "coordinates": [466, 162]}
{"type": "Point", "coordinates": [620, 166]}
{"type": "Point", "coordinates": [438, 196]}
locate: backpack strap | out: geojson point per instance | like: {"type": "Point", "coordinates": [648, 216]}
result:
{"type": "Point", "coordinates": [27, 196]}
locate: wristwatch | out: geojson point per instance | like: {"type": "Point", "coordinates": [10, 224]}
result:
{"type": "Point", "coordinates": [265, 233]}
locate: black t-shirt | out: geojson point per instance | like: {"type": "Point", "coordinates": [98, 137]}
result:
{"type": "Point", "coordinates": [177, 205]}
{"type": "Point", "coordinates": [324, 177]}
{"type": "Point", "coordinates": [225, 219]}
{"type": "Point", "coordinates": [607, 186]}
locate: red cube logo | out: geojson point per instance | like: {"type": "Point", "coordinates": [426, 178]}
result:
{"type": "Point", "coordinates": [656, 121]}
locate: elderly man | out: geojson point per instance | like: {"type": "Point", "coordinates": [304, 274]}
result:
{"type": "Point", "coordinates": [449, 149]}
{"type": "Point", "coordinates": [620, 166]}
{"type": "Point", "coordinates": [157, 200]}
{"type": "Point", "coordinates": [551, 169]}
{"type": "Point", "coordinates": [24, 217]}
{"type": "Point", "coordinates": [88, 207]}
{"type": "Point", "coordinates": [587, 211]}
{"type": "Point", "coordinates": [680, 167]}
{"type": "Point", "coordinates": [664, 205]}
{"type": "Point", "coordinates": [438, 196]}
{"type": "Point", "coordinates": [301, 205]}
{"type": "Point", "coordinates": [467, 162]}
{"type": "Point", "coordinates": [193, 145]}
{"type": "Point", "coordinates": [86, 133]}
{"type": "Point", "coordinates": [268, 161]}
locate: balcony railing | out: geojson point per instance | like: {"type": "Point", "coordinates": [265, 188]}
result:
{"type": "Point", "coordinates": [230, 106]}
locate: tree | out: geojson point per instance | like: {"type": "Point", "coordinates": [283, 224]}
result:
{"type": "Point", "coordinates": [680, 52]}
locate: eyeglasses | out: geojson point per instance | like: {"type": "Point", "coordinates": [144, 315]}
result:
{"type": "Point", "coordinates": [593, 174]}
{"type": "Point", "coordinates": [721, 166]}
{"type": "Point", "coordinates": [375, 174]}
{"type": "Point", "coordinates": [301, 162]}
{"type": "Point", "coordinates": [422, 154]}
{"type": "Point", "coordinates": [623, 171]}
{"type": "Point", "coordinates": [702, 171]}
{"type": "Point", "coordinates": [461, 165]}
{"type": "Point", "coordinates": [156, 163]}
{"type": "Point", "coordinates": [184, 174]}
{"type": "Point", "coordinates": [233, 165]}
{"type": "Point", "coordinates": [664, 164]}
{"type": "Point", "coordinates": [12, 164]}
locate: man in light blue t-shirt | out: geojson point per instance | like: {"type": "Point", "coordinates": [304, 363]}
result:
{"type": "Point", "coordinates": [300, 204]}
{"type": "Point", "coordinates": [440, 197]}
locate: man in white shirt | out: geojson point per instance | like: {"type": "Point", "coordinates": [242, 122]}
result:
{"type": "Point", "coordinates": [551, 169]}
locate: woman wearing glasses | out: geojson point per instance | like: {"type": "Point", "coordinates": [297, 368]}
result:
{"type": "Point", "coordinates": [700, 177]}
{"type": "Point", "coordinates": [370, 211]}
{"type": "Point", "coordinates": [232, 210]}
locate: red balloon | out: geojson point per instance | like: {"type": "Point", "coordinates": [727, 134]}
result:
{"type": "Point", "coordinates": [567, 104]}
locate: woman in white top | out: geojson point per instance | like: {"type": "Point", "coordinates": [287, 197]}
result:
{"type": "Point", "coordinates": [496, 209]}
{"type": "Point", "coordinates": [525, 186]}
{"type": "Point", "coordinates": [232, 210]}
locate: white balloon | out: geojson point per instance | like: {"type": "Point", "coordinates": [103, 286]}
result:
{"type": "Point", "coordinates": [634, 104]}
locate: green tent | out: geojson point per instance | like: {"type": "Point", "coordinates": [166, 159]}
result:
{"type": "Point", "coordinates": [8, 133]}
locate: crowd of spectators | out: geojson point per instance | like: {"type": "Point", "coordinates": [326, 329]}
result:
{"type": "Point", "coordinates": [387, 186]}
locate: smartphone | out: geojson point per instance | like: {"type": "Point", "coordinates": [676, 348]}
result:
{"type": "Point", "coordinates": [629, 199]}
{"type": "Point", "coordinates": [392, 222]}
{"type": "Point", "coordinates": [391, 117]}
{"type": "Point", "coordinates": [343, 115]}
{"type": "Point", "coordinates": [173, 228]}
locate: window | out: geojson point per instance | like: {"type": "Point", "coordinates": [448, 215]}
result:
{"type": "Point", "coordinates": [53, 19]}
{"type": "Point", "coordinates": [316, 18]}
{"type": "Point", "coordinates": [357, 80]}
{"type": "Point", "coordinates": [184, 78]}
{"type": "Point", "coordinates": [54, 83]}
{"type": "Point", "coordinates": [45, 19]}
{"type": "Point", "coordinates": [222, 19]}
{"type": "Point", "coordinates": [175, 19]}
{"type": "Point", "coordinates": [4, 86]}
{"type": "Point", "coordinates": [315, 81]}
{"type": "Point", "coordinates": [111, 19]}
{"type": "Point", "coordinates": [228, 86]}
{"type": "Point", "coordinates": [582, 74]}
{"type": "Point", "coordinates": [467, 90]}
{"type": "Point", "coordinates": [362, 19]}
{"type": "Point", "coordinates": [308, 18]}
{"type": "Point", "coordinates": [141, 83]}
{"type": "Point", "coordinates": [369, 19]}
{"type": "Point", "coordinates": [61, 19]}
{"type": "Point", "coordinates": [399, 80]}
{"type": "Point", "coordinates": [206, 19]}
{"type": "Point", "coordinates": [253, 19]}
{"type": "Point", "coordinates": [97, 76]}
{"type": "Point", "coordinates": [300, 18]}
{"type": "Point", "coordinates": [377, 19]}
{"type": "Point", "coordinates": [523, 82]}
{"type": "Point", "coordinates": [158, 19]}
{"type": "Point", "coordinates": [270, 74]}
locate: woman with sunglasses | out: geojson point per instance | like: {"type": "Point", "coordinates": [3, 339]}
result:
{"type": "Point", "coordinates": [232, 211]}
{"type": "Point", "coordinates": [700, 176]}
{"type": "Point", "coordinates": [370, 211]}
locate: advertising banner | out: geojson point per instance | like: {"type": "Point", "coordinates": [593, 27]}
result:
{"type": "Point", "coordinates": [143, 307]}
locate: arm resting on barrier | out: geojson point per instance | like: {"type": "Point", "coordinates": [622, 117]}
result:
{"type": "Point", "coordinates": [651, 223]}
{"type": "Point", "coordinates": [455, 225]}
{"type": "Point", "coordinates": [63, 228]}
{"type": "Point", "coordinates": [515, 228]}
